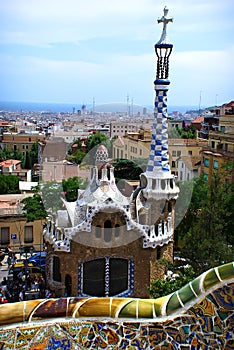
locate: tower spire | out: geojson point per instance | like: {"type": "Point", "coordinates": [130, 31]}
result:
{"type": "Point", "coordinates": [158, 163]}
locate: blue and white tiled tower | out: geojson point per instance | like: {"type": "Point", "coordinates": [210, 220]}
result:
{"type": "Point", "coordinates": [157, 181]}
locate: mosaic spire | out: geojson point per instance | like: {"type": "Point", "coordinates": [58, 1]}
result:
{"type": "Point", "coordinates": [159, 158]}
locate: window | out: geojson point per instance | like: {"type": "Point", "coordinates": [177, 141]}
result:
{"type": "Point", "coordinates": [206, 162]}
{"type": "Point", "coordinates": [206, 177]}
{"type": "Point", "coordinates": [56, 269]}
{"type": "Point", "coordinates": [190, 153]}
{"type": "Point", "coordinates": [106, 277]}
{"type": "Point", "coordinates": [222, 128]}
{"type": "Point", "coordinates": [28, 234]}
{"type": "Point", "coordinates": [107, 231]}
{"type": "Point", "coordinates": [178, 153]}
{"type": "Point", "coordinates": [226, 147]}
{"type": "Point", "coordinates": [173, 153]}
{"type": "Point", "coordinates": [173, 164]}
{"type": "Point", "coordinates": [98, 232]}
{"type": "Point", "coordinates": [5, 235]}
{"type": "Point", "coordinates": [216, 164]}
{"type": "Point", "coordinates": [212, 144]}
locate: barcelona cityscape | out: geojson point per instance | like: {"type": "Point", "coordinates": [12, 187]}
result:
{"type": "Point", "coordinates": [116, 175]}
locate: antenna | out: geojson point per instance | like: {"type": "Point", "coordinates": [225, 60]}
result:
{"type": "Point", "coordinates": [93, 105]}
{"type": "Point", "coordinates": [200, 102]}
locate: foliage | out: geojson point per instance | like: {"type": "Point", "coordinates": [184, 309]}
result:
{"type": "Point", "coordinates": [9, 184]}
{"type": "Point", "coordinates": [71, 186]}
{"type": "Point", "coordinates": [6, 153]}
{"type": "Point", "coordinates": [95, 140]}
{"type": "Point", "coordinates": [76, 157]}
{"type": "Point", "coordinates": [177, 275]}
{"type": "Point", "coordinates": [34, 208]}
{"type": "Point", "coordinates": [207, 229]}
{"type": "Point", "coordinates": [31, 157]}
{"type": "Point", "coordinates": [128, 169]}
{"type": "Point", "coordinates": [188, 133]}
{"type": "Point", "coordinates": [51, 193]}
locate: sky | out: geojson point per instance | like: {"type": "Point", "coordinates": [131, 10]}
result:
{"type": "Point", "coordinates": [74, 51]}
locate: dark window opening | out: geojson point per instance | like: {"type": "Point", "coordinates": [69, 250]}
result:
{"type": "Point", "coordinates": [105, 277]}
{"type": "Point", "coordinates": [94, 277]}
{"type": "Point", "coordinates": [107, 231]}
{"type": "Point", "coordinates": [5, 235]}
{"type": "Point", "coordinates": [56, 269]}
{"type": "Point", "coordinates": [118, 276]}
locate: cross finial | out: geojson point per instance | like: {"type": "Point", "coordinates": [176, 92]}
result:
{"type": "Point", "coordinates": [165, 21]}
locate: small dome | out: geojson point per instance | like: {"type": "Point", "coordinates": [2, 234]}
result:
{"type": "Point", "coordinates": [101, 155]}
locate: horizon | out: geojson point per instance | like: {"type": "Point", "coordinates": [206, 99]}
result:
{"type": "Point", "coordinates": [56, 107]}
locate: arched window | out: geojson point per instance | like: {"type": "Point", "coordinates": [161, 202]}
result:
{"type": "Point", "coordinates": [107, 231]}
{"type": "Point", "coordinates": [106, 277]}
{"type": "Point", "coordinates": [117, 230]}
{"type": "Point", "coordinates": [98, 232]}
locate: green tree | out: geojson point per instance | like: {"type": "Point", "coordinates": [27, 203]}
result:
{"type": "Point", "coordinates": [95, 140]}
{"type": "Point", "coordinates": [128, 169]}
{"type": "Point", "coordinates": [33, 208]}
{"type": "Point", "coordinates": [71, 186]}
{"type": "Point", "coordinates": [208, 239]}
{"type": "Point", "coordinates": [6, 153]}
{"type": "Point", "coordinates": [76, 157]}
{"type": "Point", "coordinates": [51, 193]}
{"type": "Point", "coordinates": [9, 184]}
{"type": "Point", "coordinates": [177, 275]}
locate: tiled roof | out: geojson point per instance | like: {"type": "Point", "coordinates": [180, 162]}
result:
{"type": "Point", "coordinates": [9, 162]}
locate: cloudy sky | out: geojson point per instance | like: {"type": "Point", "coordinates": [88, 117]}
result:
{"type": "Point", "coordinates": [72, 51]}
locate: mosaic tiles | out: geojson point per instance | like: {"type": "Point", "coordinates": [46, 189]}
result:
{"type": "Point", "coordinates": [206, 322]}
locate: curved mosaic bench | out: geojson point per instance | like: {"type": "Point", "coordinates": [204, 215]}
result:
{"type": "Point", "coordinates": [202, 313]}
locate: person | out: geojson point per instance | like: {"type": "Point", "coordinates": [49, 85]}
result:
{"type": "Point", "coordinates": [9, 261]}
{"type": "Point", "coordinates": [22, 294]}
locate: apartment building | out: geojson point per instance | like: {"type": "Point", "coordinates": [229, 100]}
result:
{"type": "Point", "coordinates": [20, 142]}
{"type": "Point", "coordinates": [137, 145]}
{"type": "Point", "coordinates": [220, 149]}
{"type": "Point", "coordinates": [15, 231]}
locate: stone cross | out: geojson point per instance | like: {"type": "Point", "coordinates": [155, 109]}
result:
{"type": "Point", "coordinates": [165, 21]}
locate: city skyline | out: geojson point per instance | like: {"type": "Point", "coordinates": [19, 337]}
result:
{"type": "Point", "coordinates": [73, 51]}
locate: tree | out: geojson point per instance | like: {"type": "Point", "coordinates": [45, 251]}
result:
{"type": "Point", "coordinates": [177, 275]}
{"type": "Point", "coordinates": [95, 140]}
{"type": "Point", "coordinates": [76, 157]}
{"type": "Point", "coordinates": [128, 169]}
{"type": "Point", "coordinates": [9, 184]}
{"type": "Point", "coordinates": [6, 153]}
{"type": "Point", "coordinates": [33, 208]}
{"type": "Point", "coordinates": [31, 157]}
{"type": "Point", "coordinates": [51, 193]}
{"type": "Point", "coordinates": [71, 186]}
{"type": "Point", "coordinates": [208, 239]}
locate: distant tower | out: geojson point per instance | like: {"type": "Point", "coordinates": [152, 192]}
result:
{"type": "Point", "coordinates": [157, 183]}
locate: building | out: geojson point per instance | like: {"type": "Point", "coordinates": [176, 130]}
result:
{"type": "Point", "coordinates": [136, 145]}
{"type": "Point", "coordinates": [219, 152]}
{"type": "Point", "coordinates": [13, 167]}
{"type": "Point", "coordinates": [188, 168]}
{"type": "Point", "coordinates": [15, 231]}
{"type": "Point", "coordinates": [20, 142]}
{"type": "Point", "coordinates": [210, 123]}
{"type": "Point", "coordinates": [104, 243]}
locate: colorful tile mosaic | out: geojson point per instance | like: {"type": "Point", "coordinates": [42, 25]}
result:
{"type": "Point", "coordinates": [204, 322]}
